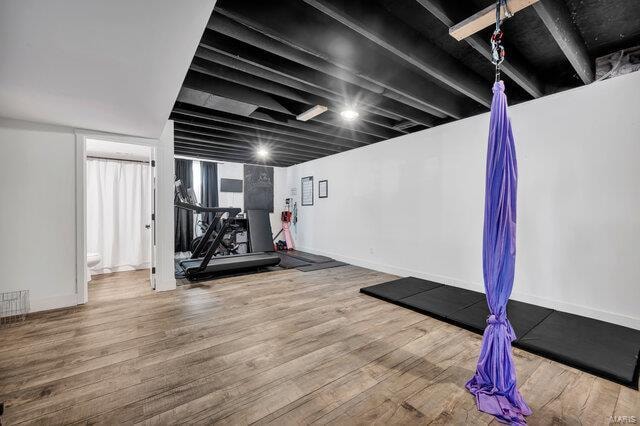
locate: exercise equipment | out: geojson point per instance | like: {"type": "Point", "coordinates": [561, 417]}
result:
{"type": "Point", "coordinates": [228, 244]}
{"type": "Point", "coordinates": [607, 350]}
{"type": "Point", "coordinates": [206, 261]}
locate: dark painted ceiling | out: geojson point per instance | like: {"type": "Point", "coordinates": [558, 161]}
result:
{"type": "Point", "coordinates": [261, 63]}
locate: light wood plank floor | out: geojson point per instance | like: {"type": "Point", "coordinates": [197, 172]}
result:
{"type": "Point", "coordinates": [282, 347]}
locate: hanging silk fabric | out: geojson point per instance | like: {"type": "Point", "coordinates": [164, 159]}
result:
{"type": "Point", "coordinates": [494, 383]}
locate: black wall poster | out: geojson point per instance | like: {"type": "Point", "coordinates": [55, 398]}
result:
{"type": "Point", "coordinates": [258, 188]}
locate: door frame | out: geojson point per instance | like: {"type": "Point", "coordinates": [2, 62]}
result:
{"type": "Point", "coordinates": [82, 291]}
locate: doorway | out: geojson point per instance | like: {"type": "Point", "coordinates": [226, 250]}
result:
{"type": "Point", "coordinates": [119, 193]}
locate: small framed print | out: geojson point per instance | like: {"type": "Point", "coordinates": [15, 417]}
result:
{"type": "Point", "coordinates": [307, 191]}
{"type": "Point", "coordinates": [323, 189]}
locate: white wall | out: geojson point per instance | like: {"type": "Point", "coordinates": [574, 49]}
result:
{"type": "Point", "coordinates": [414, 205]}
{"type": "Point", "coordinates": [38, 180]}
{"type": "Point", "coordinates": [165, 174]}
{"type": "Point", "coordinates": [38, 212]}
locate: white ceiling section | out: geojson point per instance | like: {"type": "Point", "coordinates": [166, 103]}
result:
{"type": "Point", "coordinates": [115, 66]}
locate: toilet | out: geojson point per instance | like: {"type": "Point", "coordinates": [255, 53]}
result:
{"type": "Point", "coordinates": [92, 260]}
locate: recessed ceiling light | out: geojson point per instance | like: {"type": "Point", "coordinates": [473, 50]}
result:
{"type": "Point", "coordinates": [349, 114]}
{"type": "Point", "coordinates": [262, 152]}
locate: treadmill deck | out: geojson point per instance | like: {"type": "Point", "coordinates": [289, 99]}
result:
{"type": "Point", "coordinates": [230, 263]}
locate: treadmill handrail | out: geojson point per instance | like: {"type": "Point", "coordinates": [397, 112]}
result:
{"type": "Point", "coordinates": [233, 211]}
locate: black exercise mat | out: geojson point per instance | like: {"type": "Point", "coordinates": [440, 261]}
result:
{"type": "Point", "coordinates": [522, 316]}
{"type": "Point", "coordinates": [442, 301]}
{"type": "Point", "coordinates": [399, 289]}
{"type": "Point", "coordinates": [607, 350]}
{"type": "Point", "coordinates": [599, 347]}
{"type": "Point", "coordinates": [288, 262]}
{"type": "Point", "coordinates": [318, 266]}
{"type": "Point", "coordinates": [308, 257]}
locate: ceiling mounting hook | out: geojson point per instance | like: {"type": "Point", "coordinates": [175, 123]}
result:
{"type": "Point", "coordinates": [497, 49]}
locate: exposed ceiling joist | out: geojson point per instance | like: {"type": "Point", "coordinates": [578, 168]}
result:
{"type": "Point", "coordinates": [197, 141]}
{"type": "Point", "coordinates": [215, 86]}
{"type": "Point", "coordinates": [370, 21]}
{"type": "Point", "coordinates": [185, 144]}
{"type": "Point", "coordinates": [555, 16]}
{"type": "Point", "coordinates": [258, 136]}
{"type": "Point", "coordinates": [259, 65]}
{"type": "Point", "coordinates": [484, 18]}
{"type": "Point", "coordinates": [277, 115]}
{"type": "Point", "coordinates": [223, 156]}
{"type": "Point", "coordinates": [367, 125]}
{"type": "Point", "coordinates": [267, 125]}
{"type": "Point", "coordinates": [336, 134]}
{"type": "Point", "coordinates": [519, 72]}
{"type": "Point", "coordinates": [234, 140]}
{"type": "Point", "coordinates": [306, 33]}
{"type": "Point", "coordinates": [304, 72]}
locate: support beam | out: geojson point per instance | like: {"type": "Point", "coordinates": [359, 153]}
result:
{"type": "Point", "coordinates": [516, 70]}
{"type": "Point", "coordinates": [259, 136]}
{"type": "Point", "coordinates": [556, 18]}
{"type": "Point", "coordinates": [371, 21]}
{"type": "Point", "coordinates": [485, 18]}
{"type": "Point", "coordinates": [320, 37]}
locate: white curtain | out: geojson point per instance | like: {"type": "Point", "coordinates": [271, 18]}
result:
{"type": "Point", "coordinates": [118, 208]}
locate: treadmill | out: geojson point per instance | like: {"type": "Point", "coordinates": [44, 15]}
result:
{"type": "Point", "coordinates": [205, 264]}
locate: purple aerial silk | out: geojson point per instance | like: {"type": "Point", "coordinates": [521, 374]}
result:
{"type": "Point", "coordinates": [494, 383]}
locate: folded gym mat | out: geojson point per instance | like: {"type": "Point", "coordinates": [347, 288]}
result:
{"type": "Point", "coordinates": [605, 349]}
{"type": "Point", "coordinates": [442, 301]}
{"type": "Point", "coordinates": [289, 262]}
{"type": "Point", "coordinates": [308, 257]}
{"type": "Point", "coordinates": [393, 291]}
{"type": "Point", "coordinates": [522, 316]}
{"type": "Point", "coordinates": [324, 265]}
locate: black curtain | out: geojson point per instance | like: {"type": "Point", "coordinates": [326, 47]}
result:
{"type": "Point", "coordinates": [183, 219]}
{"type": "Point", "coordinates": [209, 196]}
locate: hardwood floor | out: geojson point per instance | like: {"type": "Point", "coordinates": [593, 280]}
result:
{"type": "Point", "coordinates": [282, 347]}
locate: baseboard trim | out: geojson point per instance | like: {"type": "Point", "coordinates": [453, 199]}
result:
{"type": "Point", "coordinates": [624, 320]}
{"type": "Point", "coordinates": [121, 268]}
{"type": "Point", "coordinates": [52, 302]}
{"type": "Point", "coordinates": [166, 285]}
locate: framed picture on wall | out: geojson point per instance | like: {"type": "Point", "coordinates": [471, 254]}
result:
{"type": "Point", "coordinates": [307, 191]}
{"type": "Point", "coordinates": [323, 189]}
